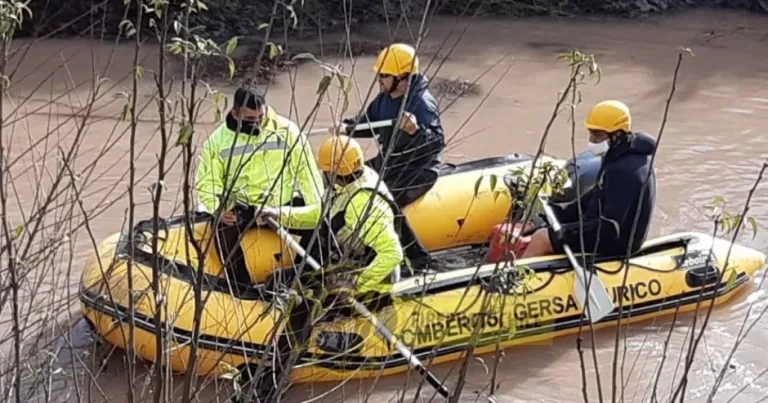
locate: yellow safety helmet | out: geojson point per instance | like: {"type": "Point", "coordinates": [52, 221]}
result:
{"type": "Point", "coordinates": [341, 154]}
{"type": "Point", "coordinates": [609, 116]}
{"type": "Point", "coordinates": [397, 59]}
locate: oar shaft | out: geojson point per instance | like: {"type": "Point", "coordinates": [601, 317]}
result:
{"type": "Point", "coordinates": [293, 244]}
{"type": "Point", "coordinates": [371, 125]}
{"type": "Point", "coordinates": [315, 132]}
{"type": "Point", "coordinates": [357, 127]}
{"type": "Point", "coordinates": [556, 227]}
{"type": "Point", "coordinates": [551, 216]}
{"type": "Point", "coordinates": [594, 292]}
{"type": "Point", "coordinates": [412, 360]}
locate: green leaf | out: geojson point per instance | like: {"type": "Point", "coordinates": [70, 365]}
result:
{"type": "Point", "coordinates": [231, 67]}
{"type": "Point", "coordinates": [731, 280]}
{"type": "Point", "coordinates": [294, 18]}
{"type": "Point", "coordinates": [728, 224]}
{"type": "Point", "coordinates": [126, 110]}
{"type": "Point", "coordinates": [19, 230]}
{"type": "Point", "coordinates": [185, 134]}
{"type": "Point", "coordinates": [345, 83]}
{"type": "Point", "coordinates": [177, 26]}
{"type": "Point", "coordinates": [217, 115]}
{"type": "Point", "coordinates": [477, 185]}
{"type": "Point", "coordinates": [754, 225]}
{"type": "Point", "coordinates": [496, 195]}
{"type": "Point", "coordinates": [493, 179]}
{"type": "Point", "coordinates": [218, 97]}
{"type": "Point", "coordinates": [127, 27]}
{"type": "Point", "coordinates": [263, 25]}
{"type": "Point", "coordinates": [273, 50]}
{"type": "Point", "coordinates": [323, 85]}
{"type": "Point", "coordinates": [126, 2]}
{"type": "Point", "coordinates": [231, 45]}
{"type": "Point", "coordinates": [686, 50]}
{"type": "Point", "coordinates": [139, 72]}
{"type": "Point", "coordinates": [202, 5]}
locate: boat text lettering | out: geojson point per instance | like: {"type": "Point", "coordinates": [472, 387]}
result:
{"type": "Point", "coordinates": [453, 325]}
{"type": "Point", "coordinates": [542, 308]}
{"type": "Point", "coordinates": [528, 313]}
{"type": "Point", "coordinates": [639, 290]}
{"type": "Point", "coordinates": [695, 260]}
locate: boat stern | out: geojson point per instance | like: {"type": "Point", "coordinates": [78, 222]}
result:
{"type": "Point", "coordinates": [104, 282]}
{"type": "Point", "coordinates": [101, 265]}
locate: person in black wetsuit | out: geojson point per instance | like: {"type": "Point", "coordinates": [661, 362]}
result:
{"type": "Point", "coordinates": [414, 159]}
{"type": "Point", "coordinates": [610, 206]}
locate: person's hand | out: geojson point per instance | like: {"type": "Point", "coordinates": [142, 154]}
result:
{"type": "Point", "coordinates": [341, 127]}
{"type": "Point", "coordinates": [409, 123]}
{"type": "Point", "coordinates": [264, 213]}
{"type": "Point", "coordinates": [229, 217]}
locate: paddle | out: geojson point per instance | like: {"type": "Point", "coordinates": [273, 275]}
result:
{"type": "Point", "coordinates": [360, 308]}
{"type": "Point", "coordinates": [601, 303]}
{"type": "Point", "coordinates": [358, 127]}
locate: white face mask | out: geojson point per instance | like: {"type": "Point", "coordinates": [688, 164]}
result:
{"type": "Point", "coordinates": [598, 148]}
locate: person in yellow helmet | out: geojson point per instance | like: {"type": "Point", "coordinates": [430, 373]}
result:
{"type": "Point", "coordinates": [362, 219]}
{"type": "Point", "coordinates": [409, 156]}
{"type": "Point", "coordinates": [625, 187]}
{"type": "Point", "coordinates": [360, 230]}
{"type": "Point", "coordinates": [262, 164]}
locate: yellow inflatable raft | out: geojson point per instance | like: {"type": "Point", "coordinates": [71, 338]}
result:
{"type": "Point", "coordinates": [438, 311]}
{"type": "Point", "coordinates": [433, 311]}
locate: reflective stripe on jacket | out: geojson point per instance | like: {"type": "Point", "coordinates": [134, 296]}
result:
{"type": "Point", "coordinates": [250, 166]}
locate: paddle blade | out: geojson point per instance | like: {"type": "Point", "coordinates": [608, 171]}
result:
{"type": "Point", "coordinates": [600, 302]}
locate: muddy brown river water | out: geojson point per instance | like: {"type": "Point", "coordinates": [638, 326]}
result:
{"type": "Point", "coordinates": [713, 145]}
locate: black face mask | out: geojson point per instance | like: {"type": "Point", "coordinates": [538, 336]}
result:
{"type": "Point", "coordinates": [246, 126]}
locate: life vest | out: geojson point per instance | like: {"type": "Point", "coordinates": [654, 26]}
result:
{"type": "Point", "coordinates": [370, 182]}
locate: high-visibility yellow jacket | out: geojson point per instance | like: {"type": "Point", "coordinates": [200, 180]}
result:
{"type": "Point", "coordinates": [362, 216]}
{"type": "Point", "coordinates": [276, 164]}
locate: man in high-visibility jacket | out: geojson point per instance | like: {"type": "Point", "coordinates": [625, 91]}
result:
{"type": "Point", "coordinates": [362, 226]}
{"type": "Point", "coordinates": [256, 158]}
{"type": "Point", "coordinates": [362, 217]}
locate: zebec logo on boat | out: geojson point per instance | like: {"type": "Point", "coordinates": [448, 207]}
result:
{"type": "Point", "coordinates": [694, 260]}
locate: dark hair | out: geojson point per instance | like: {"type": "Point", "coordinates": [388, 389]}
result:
{"type": "Point", "coordinates": [250, 99]}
